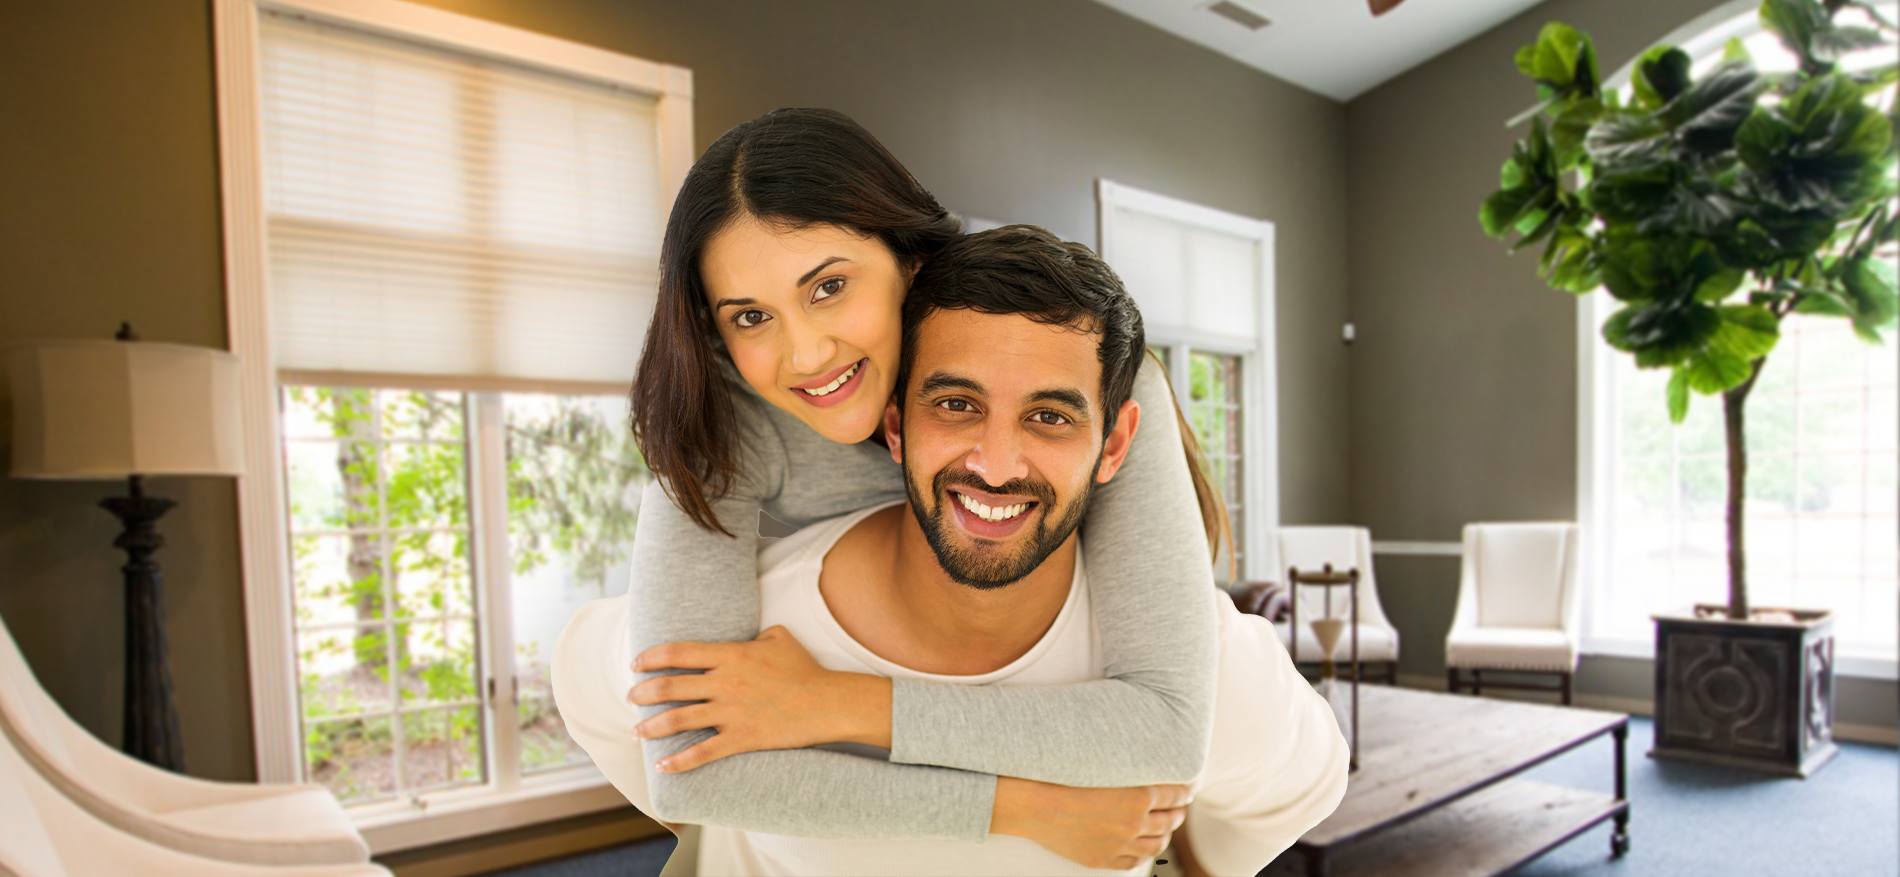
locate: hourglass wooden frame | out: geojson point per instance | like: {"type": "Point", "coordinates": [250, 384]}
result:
{"type": "Point", "coordinates": [1326, 629]}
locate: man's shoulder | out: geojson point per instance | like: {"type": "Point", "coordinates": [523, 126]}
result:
{"type": "Point", "coordinates": [809, 544]}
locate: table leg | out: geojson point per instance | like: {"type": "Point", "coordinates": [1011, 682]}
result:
{"type": "Point", "coordinates": [1620, 836]}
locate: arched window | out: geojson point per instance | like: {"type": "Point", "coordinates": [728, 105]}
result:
{"type": "Point", "coordinates": [1823, 502]}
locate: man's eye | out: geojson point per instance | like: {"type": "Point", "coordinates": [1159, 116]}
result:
{"type": "Point", "coordinates": [1050, 418]}
{"type": "Point", "coordinates": [828, 288]}
{"type": "Point", "coordinates": [749, 317]}
{"type": "Point", "coordinates": [955, 405]}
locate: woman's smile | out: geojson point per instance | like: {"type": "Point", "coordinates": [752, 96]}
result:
{"type": "Point", "coordinates": [833, 386]}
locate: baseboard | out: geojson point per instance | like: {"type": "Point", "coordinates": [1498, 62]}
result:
{"type": "Point", "coordinates": [539, 843]}
{"type": "Point", "coordinates": [1851, 731]}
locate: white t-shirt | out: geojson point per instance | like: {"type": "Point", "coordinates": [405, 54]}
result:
{"type": "Point", "coordinates": [1276, 766]}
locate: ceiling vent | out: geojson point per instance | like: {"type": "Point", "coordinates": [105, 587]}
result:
{"type": "Point", "coordinates": [1239, 14]}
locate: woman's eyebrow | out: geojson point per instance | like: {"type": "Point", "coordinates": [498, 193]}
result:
{"type": "Point", "coordinates": [821, 266]}
{"type": "Point", "coordinates": [730, 302]}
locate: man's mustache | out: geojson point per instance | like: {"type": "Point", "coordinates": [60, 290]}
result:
{"type": "Point", "coordinates": [1041, 490]}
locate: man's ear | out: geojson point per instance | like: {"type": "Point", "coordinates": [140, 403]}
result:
{"type": "Point", "coordinates": [1115, 446]}
{"type": "Point", "coordinates": [894, 431]}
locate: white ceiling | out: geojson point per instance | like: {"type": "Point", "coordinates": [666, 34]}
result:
{"type": "Point", "coordinates": [1334, 47]}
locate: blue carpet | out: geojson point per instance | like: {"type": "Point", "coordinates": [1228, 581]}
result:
{"type": "Point", "coordinates": [1686, 820]}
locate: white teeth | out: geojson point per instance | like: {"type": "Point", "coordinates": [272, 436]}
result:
{"type": "Point", "coordinates": [832, 387]}
{"type": "Point", "coordinates": [992, 515]}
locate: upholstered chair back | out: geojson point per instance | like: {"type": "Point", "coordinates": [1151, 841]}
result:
{"type": "Point", "coordinates": [1524, 574]}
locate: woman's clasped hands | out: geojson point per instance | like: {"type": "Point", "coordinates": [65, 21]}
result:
{"type": "Point", "coordinates": [768, 693]}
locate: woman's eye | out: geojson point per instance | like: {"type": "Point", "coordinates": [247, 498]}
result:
{"type": "Point", "coordinates": [1049, 418]}
{"type": "Point", "coordinates": [748, 318]}
{"type": "Point", "coordinates": [828, 288]}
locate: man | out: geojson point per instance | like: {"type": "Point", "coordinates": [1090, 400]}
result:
{"type": "Point", "coordinates": [1019, 357]}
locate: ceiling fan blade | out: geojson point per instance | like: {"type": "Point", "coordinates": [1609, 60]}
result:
{"type": "Point", "coordinates": [1381, 7]}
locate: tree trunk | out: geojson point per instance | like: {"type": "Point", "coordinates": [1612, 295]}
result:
{"type": "Point", "coordinates": [1733, 401]}
{"type": "Point", "coordinates": [353, 459]}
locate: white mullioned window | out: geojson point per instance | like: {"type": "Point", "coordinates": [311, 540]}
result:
{"type": "Point", "coordinates": [1204, 281]}
{"type": "Point", "coordinates": [445, 239]}
{"type": "Point", "coordinates": [1823, 502]}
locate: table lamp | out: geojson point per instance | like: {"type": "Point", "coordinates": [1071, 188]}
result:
{"type": "Point", "coordinates": [99, 410]}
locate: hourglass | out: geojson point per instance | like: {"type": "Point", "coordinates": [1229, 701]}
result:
{"type": "Point", "coordinates": [1343, 697]}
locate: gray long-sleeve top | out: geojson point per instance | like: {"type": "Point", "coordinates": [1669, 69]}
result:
{"type": "Point", "coordinates": [1148, 722]}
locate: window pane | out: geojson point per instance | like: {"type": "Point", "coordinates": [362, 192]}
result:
{"type": "Point", "coordinates": [378, 518]}
{"type": "Point", "coordinates": [355, 758]}
{"type": "Point", "coordinates": [574, 482]}
{"type": "Point", "coordinates": [1214, 411]}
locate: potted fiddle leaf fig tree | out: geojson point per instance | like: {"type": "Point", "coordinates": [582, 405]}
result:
{"type": "Point", "coordinates": [1713, 208]}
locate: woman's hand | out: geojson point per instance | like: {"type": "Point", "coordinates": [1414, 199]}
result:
{"type": "Point", "coordinates": [1095, 828]}
{"type": "Point", "coordinates": [765, 694]}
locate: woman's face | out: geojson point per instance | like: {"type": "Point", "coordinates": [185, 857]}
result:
{"type": "Point", "coordinates": [813, 318]}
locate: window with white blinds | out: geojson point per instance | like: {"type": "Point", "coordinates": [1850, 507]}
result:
{"type": "Point", "coordinates": [1203, 279]}
{"type": "Point", "coordinates": [440, 216]}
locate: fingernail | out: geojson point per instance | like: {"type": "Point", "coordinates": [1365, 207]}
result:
{"type": "Point", "coordinates": [640, 731]}
{"type": "Point", "coordinates": [635, 666]}
{"type": "Point", "coordinates": [665, 765]}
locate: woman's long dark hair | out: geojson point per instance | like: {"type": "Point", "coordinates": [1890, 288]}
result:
{"type": "Point", "coordinates": [796, 167]}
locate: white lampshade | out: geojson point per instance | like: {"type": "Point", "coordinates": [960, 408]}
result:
{"type": "Point", "coordinates": [110, 409]}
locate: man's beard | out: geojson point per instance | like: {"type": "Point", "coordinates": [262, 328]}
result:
{"type": "Point", "coordinates": [1000, 566]}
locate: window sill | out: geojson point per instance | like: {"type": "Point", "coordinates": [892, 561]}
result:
{"type": "Point", "coordinates": [1853, 666]}
{"type": "Point", "coordinates": [447, 816]}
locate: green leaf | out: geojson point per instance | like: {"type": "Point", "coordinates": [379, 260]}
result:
{"type": "Point", "coordinates": [1707, 115]}
{"type": "Point", "coordinates": [1870, 284]}
{"type": "Point", "coordinates": [1717, 286]}
{"type": "Point", "coordinates": [1661, 74]}
{"type": "Point", "coordinates": [1572, 127]}
{"type": "Point", "coordinates": [1500, 212]}
{"type": "Point", "coordinates": [1748, 332]}
{"type": "Point", "coordinates": [1623, 139]}
{"type": "Point", "coordinates": [1794, 23]}
{"type": "Point", "coordinates": [1562, 58]}
{"type": "Point", "coordinates": [1713, 371]}
{"type": "Point", "coordinates": [1678, 395]}
{"type": "Point", "coordinates": [1832, 43]}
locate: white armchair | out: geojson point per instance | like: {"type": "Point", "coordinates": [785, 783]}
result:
{"type": "Point", "coordinates": [1517, 606]}
{"type": "Point", "coordinates": [240, 823]}
{"type": "Point", "coordinates": [1310, 549]}
{"type": "Point", "coordinates": [47, 835]}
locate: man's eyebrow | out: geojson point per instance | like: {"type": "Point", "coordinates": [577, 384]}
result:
{"type": "Point", "coordinates": [821, 266]}
{"type": "Point", "coordinates": [1062, 396]}
{"type": "Point", "coordinates": [941, 381]}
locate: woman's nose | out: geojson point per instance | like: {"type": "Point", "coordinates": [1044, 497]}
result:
{"type": "Point", "coordinates": [811, 347]}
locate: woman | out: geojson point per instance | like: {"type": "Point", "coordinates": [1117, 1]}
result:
{"type": "Point", "coordinates": [773, 350]}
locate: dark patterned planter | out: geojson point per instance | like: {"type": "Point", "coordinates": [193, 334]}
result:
{"type": "Point", "coordinates": [1756, 694]}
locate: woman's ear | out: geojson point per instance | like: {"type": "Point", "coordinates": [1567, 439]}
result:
{"type": "Point", "coordinates": [911, 269]}
{"type": "Point", "coordinates": [894, 431]}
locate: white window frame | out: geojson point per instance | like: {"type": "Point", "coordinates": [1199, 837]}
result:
{"type": "Point", "coordinates": [1260, 395]}
{"type": "Point", "coordinates": [263, 525]}
{"type": "Point", "coordinates": [1595, 406]}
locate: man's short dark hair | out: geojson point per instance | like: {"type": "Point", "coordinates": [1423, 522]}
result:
{"type": "Point", "coordinates": [1023, 269]}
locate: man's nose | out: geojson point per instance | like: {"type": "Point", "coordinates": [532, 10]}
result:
{"type": "Point", "coordinates": [998, 455]}
{"type": "Point", "coordinates": [811, 346]}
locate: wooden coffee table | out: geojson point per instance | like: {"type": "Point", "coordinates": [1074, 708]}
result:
{"type": "Point", "coordinates": [1434, 793]}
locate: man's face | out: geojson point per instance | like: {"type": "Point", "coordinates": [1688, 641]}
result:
{"type": "Point", "coordinates": [999, 430]}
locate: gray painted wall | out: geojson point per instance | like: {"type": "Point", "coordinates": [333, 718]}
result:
{"type": "Point", "coordinates": [1006, 110]}
{"type": "Point", "coordinates": [1463, 384]}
